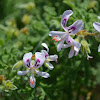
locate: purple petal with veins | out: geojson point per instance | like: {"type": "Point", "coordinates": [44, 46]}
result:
{"type": "Point", "coordinates": [38, 60]}
{"type": "Point", "coordinates": [27, 60]}
{"type": "Point", "coordinates": [73, 28]}
{"type": "Point", "coordinates": [46, 56]}
{"type": "Point", "coordinates": [64, 22]}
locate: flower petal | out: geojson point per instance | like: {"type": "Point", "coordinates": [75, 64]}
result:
{"type": "Point", "coordinates": [49, 65]}
{"type": "Point", "coordinates": [71, 53]}
{"type": "Point", "coordinates": [45, 53]}
{"type": "Point", "coordinates": [76, 27]}
{"type": "Point", "coordinates": [98, 17]}
{"type": "Point", "coordinates": [71, 41]}
{"type": "Point", "coordinates": [89, 57]}
{"type": "Point", "coordinates": [22, 72]}
{"type": "Point", "coordinates": [45, 45]}
{"type": "Point", "coordinates": [97, 26]}
{"type": "Point", "coordinates": [65, 18]}
{"type": "Point", "coordinates": [43, 74]}
{"type": "Point", "coordinates": [39, 60]}
{"type": "Point", "coordinates": [99, 48]}
{"type": "Point", "coordinates": [32, 81]}
{"type": "Point", "coordinates": [76, 44]}
{"type": "Point", "coordinates": [27, 59]}
{"type": "Point", "coordinates": [66, 45]}
{"type": "Point", "coordinates": [53, 57]}
{"type": "Point", "coordinates": [76, 50]}
{"type": "Point", "coordinates": [59, 46]}
{"type": "Point", "coordinates": [54, 33]}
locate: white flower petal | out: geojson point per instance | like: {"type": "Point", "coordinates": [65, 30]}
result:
{"type": "Point", "coordinates": [45, 53]}
{"type": "Point", "coordinates": [76, 27]}
{"type": "Point", "coordinates": [54, 33]}
{"type": "Point", "coordinates": [59, 46]}
{"type": "Point", "coordinates": [99, 48]}
{"type": "Point", "coordinates": [97, 26]}
{"type": "Point", "coordinates": [89, 57]}
{"type": "Point", "coordinates": [69, 40]}
{"type": "Point", "coordinates": [98, 17]}
{"type": "Point", "coordinates": [32, 81]}
{"type": "Point", "coordinates": [27, 59]}
{"type": "Point", "coordinates": [65, 18]}
{"type": "Point", "coordinates": [76, 50]}
{"type": "Point", "coordinates": [76, 44]}
{"type": "Point", "coordinates": [45, 45]}
{"type": "Point", "coordinates": [66, 45]}
{"type": "Point", "coordinates": [50, 66]}
{"type": "Point", "coordinates": [39, 60]}
{"type": "Point", "coordinates": [53, 57]}
{"type": "Point", "coordinates": [71, 53]}
{"type": "Point", "coordinates": [22, 72]}
{"type": "Point", "coordinates": [27, 55]}
{"type": "Point", "coordinates": [43, 74]}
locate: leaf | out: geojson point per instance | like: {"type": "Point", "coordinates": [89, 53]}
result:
{"type": "Point", "coordinates": [9, 86]}
{"type": "Point", "coordinates": [1, 42]}
{"type": "Point", "coordinates": [17, 65]}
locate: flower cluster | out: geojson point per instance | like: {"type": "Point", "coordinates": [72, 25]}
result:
{"type": "Point", "coordinates": [66, 39]}
{"type": "Point", "coordinates": [67, 35]}
{"type": "Point", "coordinates": [34, 61]}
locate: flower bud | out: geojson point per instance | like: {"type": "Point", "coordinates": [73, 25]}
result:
{"type": "Point", "coordinates": [85, 46]}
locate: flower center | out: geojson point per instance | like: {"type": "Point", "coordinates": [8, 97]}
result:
{"type": "Point", "coordinates": [56, 38]}
{"type": "Point", "coordinates": [32, 70]}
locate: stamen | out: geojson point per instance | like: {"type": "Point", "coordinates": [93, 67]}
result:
{"type": "Point", "coordinates": [56, 40]}
{"type": "Point", "coordinates": [55, 37]}
{"type": "Point", "coordinates": [32, 58]}
{"type": "Point", "coordinates": [71, 51]}
{"type": "Point", "coordinates": [60, 40]}
{"type": "Point", "coordinates": [31, 81]}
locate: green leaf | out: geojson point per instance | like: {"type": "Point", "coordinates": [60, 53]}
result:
{"type": "Point", "coordinates": [9, 86]}
{"type": "Point", "coordinates": [1, 42]}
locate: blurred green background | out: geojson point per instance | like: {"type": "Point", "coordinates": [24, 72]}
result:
{"type": "Point", "coordinates": [24, 25]}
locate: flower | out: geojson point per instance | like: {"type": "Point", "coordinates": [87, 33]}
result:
{"type": "Point", "coordinates": [75, 47]}
{"type": "Point", "coordinates": [99, 48]}
{"type": "Point", "coordinates": [33, 62]}
{"type": "Point", "coordinates": [48, 57]}
{"type": "Point", "coordinates": [65, 36]}
{"type": "Point", "coordinates": [96, 25]}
